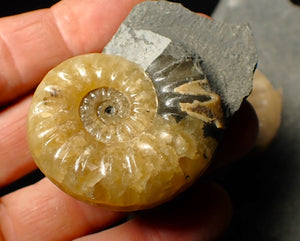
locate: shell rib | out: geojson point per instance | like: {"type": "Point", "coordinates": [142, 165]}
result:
{"type": "Point", "coordinates": [95, 131]}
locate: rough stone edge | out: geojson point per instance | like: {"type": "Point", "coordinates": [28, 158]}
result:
{"type": "Point", "coordinates": [229, 69]}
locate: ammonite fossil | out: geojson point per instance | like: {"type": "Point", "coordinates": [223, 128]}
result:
{"type": "Point", "coordinates": [96, 131]}
{"type": "Point", "coordinates": [130, 133]}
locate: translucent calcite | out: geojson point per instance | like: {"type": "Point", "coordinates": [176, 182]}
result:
{"type": "Point", "coordinates": [93, 129]}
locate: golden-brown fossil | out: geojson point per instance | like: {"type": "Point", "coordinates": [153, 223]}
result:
{"type": "Point", "coordinates": [94, 129]}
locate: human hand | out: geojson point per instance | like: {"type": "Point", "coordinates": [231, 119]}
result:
{"type": "Point", "coordinates": [30, 45]}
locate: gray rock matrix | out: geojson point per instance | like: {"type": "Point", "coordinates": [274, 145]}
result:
{"type": "Point", "coordinates": [226, 52]}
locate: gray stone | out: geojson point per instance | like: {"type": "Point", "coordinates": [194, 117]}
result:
{"type": "Point", "coordinates": [267, 193]}
{"type": "Point", "coordinates": [225, 52]}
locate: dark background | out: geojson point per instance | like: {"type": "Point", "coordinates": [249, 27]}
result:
{"type": "Point", "coordinates": [11, 7]}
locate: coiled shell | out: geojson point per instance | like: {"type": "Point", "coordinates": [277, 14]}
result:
{"type": "Point", "coordinates": [95, 131]}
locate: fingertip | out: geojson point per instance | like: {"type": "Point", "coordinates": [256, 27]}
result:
{"type": "Point", "coordinates": [239, 138]}
{"type": "Point", "coordinates": [243, 129]}
{"type": "Point", "coordinates": [200, 214]}
{"type": "Point", "coordinates": [205, 15]}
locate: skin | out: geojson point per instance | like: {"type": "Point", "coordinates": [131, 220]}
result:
{"type": "Point", "coordinates": [30, 45]}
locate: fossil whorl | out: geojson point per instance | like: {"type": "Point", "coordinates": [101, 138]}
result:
{"type": "Point", "coordinates": [98, 127]}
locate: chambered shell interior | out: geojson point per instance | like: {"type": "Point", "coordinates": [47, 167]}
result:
{"type": "Point", "coordinates": [94, 129]}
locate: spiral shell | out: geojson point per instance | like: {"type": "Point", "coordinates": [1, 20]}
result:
{"type": "Point", "coordinates": [95, 130]}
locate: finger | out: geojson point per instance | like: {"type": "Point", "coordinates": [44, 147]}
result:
{"type": "Point", "coordinates": [43, 212]}
{"type": "Point", "coordinates": [33, 43]}
{"type": "Point", "coordinates": [203, 214]}
{"type": "Point", "coordinates": [15, 158]}
{"type": "Point", "coordinates": [205, 15]}
{"type": "Point", "coordinates": [240, 137]}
